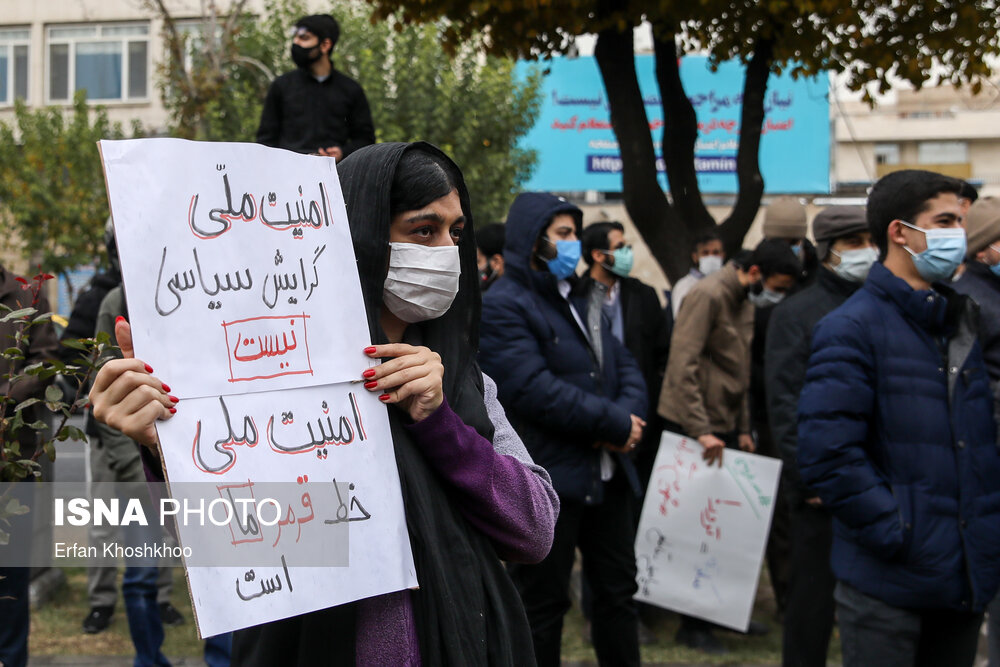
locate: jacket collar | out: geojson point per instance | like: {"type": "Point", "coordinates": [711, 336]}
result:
{"type": "Point", "coordinates": [983, 272]}
{"type": "Point", "coordinates": [729, 279]}
{"type": "Point", "coordinates": [831, 282]}
{"type": "Point", "coordinates": [927, 308]}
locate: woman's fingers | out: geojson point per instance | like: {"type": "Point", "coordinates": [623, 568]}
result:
{"type": "Point", "coordinates": [139, 425]}
{"type": "Point", "coordinates": [123, 333]}
{"type": "Point", "coordinates": [119, 378]}
{"type": "Point", "coordinates": [402, 377]}
{"type": "Point", "coordinates": [417, 358]}
{"type": "Point", "coordinates": [126, 396]}
{"type": "Point", "coordinates": [424, 385]}
{"type": "Point", "coordinates": [391, 350]}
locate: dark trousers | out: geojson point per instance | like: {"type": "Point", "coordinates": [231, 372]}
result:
{"type": "Point", "coordinates": [874, 633]}
{"type": "Point", "coordinates": [809, 615]}
{"type": "Point", "coordinates": [15, 617]}
{"type": "Point", "coordinates": [779, 540]}
{"type": "Point", "coordinates": [605, 535]}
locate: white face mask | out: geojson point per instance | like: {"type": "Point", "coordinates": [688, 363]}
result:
{"type": "Point", "coordinates": [765, 298]}
{"type": "Point", "coordinates": [709, 264]}
{"type": "Point", "coordinates": [422, 281]}
{"type": "Point", "coordinates": [855, 264]}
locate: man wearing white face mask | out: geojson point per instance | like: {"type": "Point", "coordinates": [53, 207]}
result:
{"type": "Point", "coordinates": [707, 257]}
{"type": "Point", "coordinates": [897, 438]}
{"type": "Point", "coordinates": [981, 281]}
{"type": "Point", "coordinates": [845, 248]}
{"type": "Point", "coordinates": [705, 389]}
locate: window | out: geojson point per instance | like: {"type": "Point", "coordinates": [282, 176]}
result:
{"type": "Point", "coordinates": [110, 62]}
{"type": "Point", "coordinates": [886, 153]}
{"type": "Point", "coordinates": [13, 64]}
{"type": "Point", "coordinates": [942, 152]}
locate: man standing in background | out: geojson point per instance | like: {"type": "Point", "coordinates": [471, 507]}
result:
{"type": "Point", "coordinates": [316, 109]}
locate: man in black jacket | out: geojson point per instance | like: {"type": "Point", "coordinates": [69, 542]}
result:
{"type": "Point", "coordinates": [633, 312]}
{"type": "Point", "coordinates": [845, 248]}
{"type": "Point", "coordinates": [316, 109]}
{"type": "Point", "coordinates": [981, 281]}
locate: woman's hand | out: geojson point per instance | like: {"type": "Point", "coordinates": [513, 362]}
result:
{"type": "Point", "coordinates": [410, 378]}
{"type": "Point", "coordinates": [127, 396]}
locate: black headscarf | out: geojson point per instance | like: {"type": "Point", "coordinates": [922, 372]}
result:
{"type": "Point", "coordinates": [467, 611]}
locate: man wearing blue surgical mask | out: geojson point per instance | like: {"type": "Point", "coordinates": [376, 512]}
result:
{"type": "Point", "coordinates": [578, 400]}
{"type": "Point", "coordinates": [897, 438]}
{"type": "Point", "coordinates": [844, 245]}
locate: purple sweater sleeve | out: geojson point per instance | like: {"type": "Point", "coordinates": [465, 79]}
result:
{"type": "Point", "coordinates": [503, 497]}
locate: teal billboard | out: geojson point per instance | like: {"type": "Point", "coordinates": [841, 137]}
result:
{"type": "Point", "coordinates": [577, 149]}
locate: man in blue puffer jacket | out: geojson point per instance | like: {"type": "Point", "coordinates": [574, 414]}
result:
{"type": "Point", "coordinates": [577, 399]}
{"type": "Point", "coordinates": [896, 434]}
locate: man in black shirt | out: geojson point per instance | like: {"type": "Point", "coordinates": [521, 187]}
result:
{"type": "Point", "coordinates": [314, 108]}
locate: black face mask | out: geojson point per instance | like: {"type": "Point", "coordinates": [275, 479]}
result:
{"type": "Point", "coordinates": [486, 277]}
{"type": "Point", "coordinates": [303, 57]}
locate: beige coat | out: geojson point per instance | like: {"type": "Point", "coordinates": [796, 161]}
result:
{"type": "Point", "coordinates": [708, 374]}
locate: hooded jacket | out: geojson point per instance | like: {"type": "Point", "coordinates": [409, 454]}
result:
{"type": "Point", "coordinates": [560, 398]}
{"type": "Point", "coordinates": [896, 435]}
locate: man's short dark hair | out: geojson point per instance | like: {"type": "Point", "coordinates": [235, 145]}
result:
{"type": "Point", "coordinates": [490, 239]}
{"type": "Point", "coordinates": [595, 237]}
{"type": "Point", "coordinates": [774, 257]}
{"type": "Point", "coordinates": [903, 195]}
{"type": "Point", "coordinates": [323, 26]}
{"type": "Point", "coordinates": [702, 239]}
{"type": "Point", "coordinates": [969, 192]}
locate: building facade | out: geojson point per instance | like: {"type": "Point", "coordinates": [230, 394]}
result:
{"type": "Point", "coordinates": [940, 129]}
{"type": "Point", "coordinates": [110, 48]}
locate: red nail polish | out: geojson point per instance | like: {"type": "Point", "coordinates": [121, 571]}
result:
{"type": "Point", "coordinates": [174, 399]}
{"type": "Point", "coordinates": [370, 349]}
{"type": "Point", "coordinates": [384, 397]}
{"type": "Point", "coordinates": [173, 410]}
{"type": "Point", "coordinates": [149, 369]}
{"type": "Point", "coordinates": [370, 373]}
{"type": "Point", "coordinates": [371, 385]}
{"type": "Point", "coordinates": [166, 387]}
{"type": "Point", "coordinates": [119, 319]}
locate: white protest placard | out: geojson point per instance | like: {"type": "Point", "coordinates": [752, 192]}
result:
{"type": "Point", "coordinates": [703, 530]}
{"type": "Point", "coordinates": [243, 295]}
{"type": "Point", "coordinates": [240, 272]}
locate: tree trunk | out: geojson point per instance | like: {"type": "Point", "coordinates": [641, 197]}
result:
{"type": "Point", "coordinates": [751, 182]}
{"type": "Point", "coordinates": [645, 201]}
{"type": "Point", "coordinates": [680, 133]}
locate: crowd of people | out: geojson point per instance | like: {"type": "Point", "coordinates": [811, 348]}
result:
{"type": "Point", "coordinates": [527, 394]}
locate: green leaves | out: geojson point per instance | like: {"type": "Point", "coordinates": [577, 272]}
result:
{"type": "Point", "coordinates": [52, 185]}
{"type": "Point", "coordinates": [423, 81]}
{"type": "Point", "coordinates": [469, 104]}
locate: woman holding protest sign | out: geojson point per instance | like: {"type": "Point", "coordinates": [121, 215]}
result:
{"type": "Point", "coordinates": [470, 491]}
